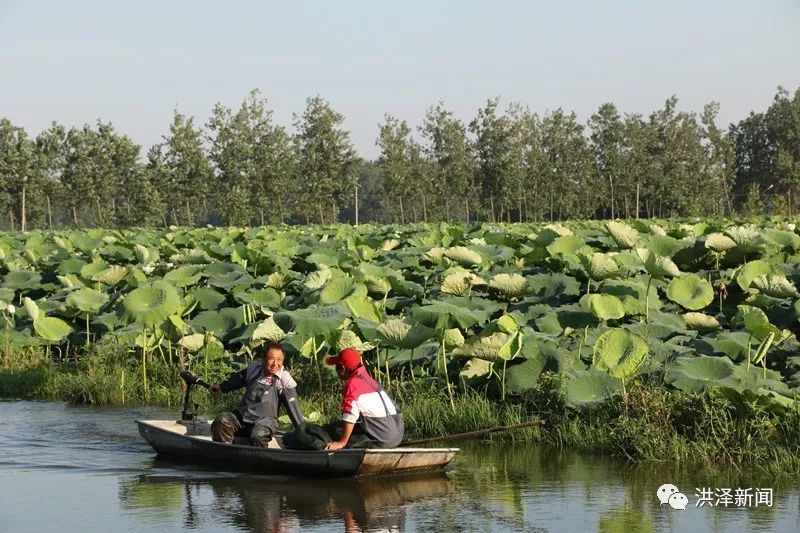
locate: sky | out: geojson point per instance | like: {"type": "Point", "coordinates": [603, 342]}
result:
{"type": "Point", "coordinates": [134, 63]}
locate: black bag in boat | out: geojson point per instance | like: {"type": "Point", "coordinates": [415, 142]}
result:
{"type": "Point", "coordinates": [307, 436]}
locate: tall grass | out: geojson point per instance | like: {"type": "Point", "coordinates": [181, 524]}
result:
{"type": "Point", "coordinates": [650, 424]}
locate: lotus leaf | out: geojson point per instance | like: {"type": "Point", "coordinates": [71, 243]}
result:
{"type": "Point", "coordinates": [586, 390]}
{"type": "Point", "coordinates": [463, 256]}
{"type": "Point", "coordinates": [664, 245]}
{"type": "Point", "coordinates": [22, 280]}
{"type": "Point", "coordinates": [460, 282]}
{"type": "Point", "coordinates": [269, 331]}
{"type": "Point", "coordinates": [691, 291]}
{"type": "Point", "coordinates": [185, 276]}
{"type": "Point", "coordinates": [748, 238]}
{"type": "Point", "coordinates": [312, 321]}
{"type": "Point", "coordinates": [31, 308]}
{"type": "Point", "coordinates": [400, 334]}
{"type": "Point", "coordinates": [751, 271]}
{"type": "Point", "coordinates": [693, 374]}
{"type": "Point", "coordinates": [112, 275]}
{"type": "Point", "coordinates": [701, 322]}
{"type": "Point", "coordinates": [657, 266]}
{"type": "Point", "coordinates": [193, 342]}
{"type": "Point", "coordinates": [207, 298]}
{"type": "Point", "coordinates": [566, 245]}
{"type": "Point", "coordinates": [349, 339]}
{"type": "Point", "coordinates": [51, 328]}
{"type": "Point", "coordinates": [340, 288]}
{"type": "Point", "coordinates": [490, 348]}
{"type": "Point", "coordinates": [442, 315]}
{"type": "Point", "coordinates": [317, 279]}
{"type": "Point", "coordinates": [475, 371]}
{"type": "Point", "coordinates": [87, 300]}
{"type": "Point", "coordinates": [619, 352]}
{"type": "Point", "coordinates": [153, 303]}
{"type": "Point", "coordinates": [624, 235]}
{"type": "Point", "coordinates": [776, 286]}
{"type": "Point", "coordinates": [605, 306]}
{"type": "Point", "coordinates": [717, 242]}
{"type": "Point", "coordinates": [599, 266]}
{"type": "Point", "coordinates": [452, 338]}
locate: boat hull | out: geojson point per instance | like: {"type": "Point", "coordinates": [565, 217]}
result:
{"type": "Point", "coordinates": [193, 444]}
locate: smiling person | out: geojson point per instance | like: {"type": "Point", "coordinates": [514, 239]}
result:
{"type": "Point", "coordinates": [268, 386]}
{"type": "Point", "coordinates": [370, 418]}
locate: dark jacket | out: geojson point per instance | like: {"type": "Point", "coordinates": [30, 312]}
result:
{"type": "Point", "coordinates": [263, 395]}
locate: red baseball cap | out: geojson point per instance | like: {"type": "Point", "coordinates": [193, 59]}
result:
{"type": "Point", "coordinates": [348, 358]}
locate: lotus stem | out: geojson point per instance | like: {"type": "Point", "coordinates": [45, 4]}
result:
{"type": "Point", "coordinates": [749, 350]}
{"type": "Point", "coordinates": [88, 342]}
{"type": "Point", "coordinates": [386, 363]}
{"type": "Point", "coordinates": [144, 363]}
{"type": "Point", "coordinates": [503, 382]}
{"type": "Point", "coordinates": [122, 386]}
{"type": "Point", "coordinates": [447, 378]}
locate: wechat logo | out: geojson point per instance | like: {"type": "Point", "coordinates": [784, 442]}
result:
{"type": "Point", "coordinates": [670, 494]}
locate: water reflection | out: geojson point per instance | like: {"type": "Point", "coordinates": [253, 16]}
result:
{"type": "Point", "coordinates": [281, 504]}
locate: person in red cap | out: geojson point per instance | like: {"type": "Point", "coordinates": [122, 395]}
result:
{"type": "Point", "coordinates": [370, 418]}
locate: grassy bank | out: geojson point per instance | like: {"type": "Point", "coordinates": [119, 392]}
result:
{"type": "Point", "coordinates": [650, 424]}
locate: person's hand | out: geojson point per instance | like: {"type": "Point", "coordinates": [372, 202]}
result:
{"type": "Point", "coordinates": [215, 389]}
{"type": "Point", "coordinates": [336, 445]}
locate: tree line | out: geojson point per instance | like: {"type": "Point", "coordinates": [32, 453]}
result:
{"type": "Point", "coordinates": [242, 168]}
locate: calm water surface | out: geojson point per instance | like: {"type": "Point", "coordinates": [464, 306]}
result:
{"type": "Point", "coordinates": [65, 468]}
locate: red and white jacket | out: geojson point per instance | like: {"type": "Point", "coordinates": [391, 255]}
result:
{"type": "Point", "coordinates": [361, 399]}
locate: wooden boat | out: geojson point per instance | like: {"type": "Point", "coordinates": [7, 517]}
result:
{"type": "Point", "coordinates": [190, 440]}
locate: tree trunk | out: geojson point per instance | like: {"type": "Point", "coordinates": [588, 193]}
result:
{"type": "Point", "coordinates": [262, 218]}
{"type": "Point", "coordinates": [627, 208]}
{"type": "Point", "coordinates": [424, 209]}
{"type": "Point", "coordinates": [75, 216]}
{"type": "Point", "coordinates": [491, 207]}
{"type": "Point", "coordinates": [551, 206]}
{"type": "Point", "coordinates": [11, 218]}
{"type": "Point", "coordinates": [98, 215]}
{"type": "Point", "coordinates": [334, 213]}
{"type": "Point", "coordinates": [402, 213]}
{"type": "Point", "coordinates": [49, 214]}
{"type": "Point", "coordinates": [637, 201]}
{"type": "Point", "coordinates": [189, 216]}
{"type": "Point", "coordinates": [356, 205]}
{"type": "Point", "coordinates": [466, 209]}
{"type": "Point", "coordinates": [24, 221]}
{"type": "Point", "coordinates": [321, 218]}
{"type": "Point", "coordinates": [611, 185]}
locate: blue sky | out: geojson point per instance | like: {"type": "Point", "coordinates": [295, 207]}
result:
{"type": "Point", "coordinates": [133, 63]}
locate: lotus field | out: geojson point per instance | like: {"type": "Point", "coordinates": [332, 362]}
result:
{"type": "Point", "coordinates": [487, 307]}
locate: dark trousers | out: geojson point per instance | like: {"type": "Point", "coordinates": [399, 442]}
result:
{"type": "Point", "coordinates": [227, 426]}
{"type": "Point", "coordinates": [358, 439]}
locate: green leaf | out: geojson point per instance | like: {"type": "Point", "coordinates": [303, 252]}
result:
{"type": "Point", "coordinates": [619, 352]}
{"type": "Point", "coordinates": [193, 342]}
{"type": "Point", "coordinates": [776, 286]}
{"type": "Point", "coordinates": [400, 334]}
{"type": "Point", "coordinates": [693, 374]}
{"type": "Point", "coordinates": [586, 390]}
{"type": "Point", "coordinates": [463, 256]}
{"type": "Point", "coordinates": [312, 321]}
{"type": "Point", "coordinates": [751, 271]}
{"type": "Point", "coordinates": [153, 303]}
{"type": "Point", "coordinates": [51, 328]}
{"type": "Point", "coordinates": [691, 291]}
{"type": "Point", "coordinates": [719, 243]}
{"type": "Point", "coordinates": [566, 245]}
{"type": "Point", "coordinates": [443, 315]}
{"type": "Point", "coordinates": [657, 266]}
{"type": "Point", "coordinates": [510, 286]}
{"type": "Point", "coordinates": [605, 306]}
{"type": "Point", "coordinates": [185, 276]}
{"type": "Point", "coordinates": [340, 288]}
{"type": "Point", "coordinates": [87, 300]}
{"type": "Point", "coordinates": [460, 282]}
{"type": "Point", "coordinates": [489, 348]}
{"type": "Point", "coordinates": [701, 322]}
{"type": "Point", "coordinates": [599, 266]}
{"type": "Point", "coordinates": [268, 330]}
{"type": "Point", "coordinates": [624, 235]}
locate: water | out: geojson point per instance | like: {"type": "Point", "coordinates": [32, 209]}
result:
{"type": "Point", "coordinates": [65, 468]}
